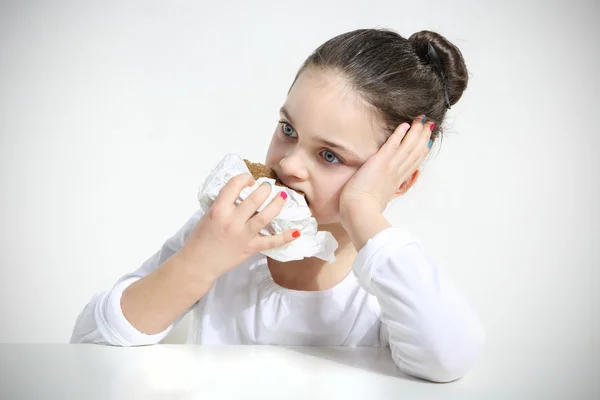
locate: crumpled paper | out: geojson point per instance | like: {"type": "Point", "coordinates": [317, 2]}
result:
{"type": "Point", "coordinates": [294, 215]}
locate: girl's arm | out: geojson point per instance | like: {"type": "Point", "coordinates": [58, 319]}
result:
{"type": "Point", "coordinates": [432, 330]}
{"type": "Point", "coordinates": [154, 298]}
{"type": "Point", "coordinates": [143, 306]}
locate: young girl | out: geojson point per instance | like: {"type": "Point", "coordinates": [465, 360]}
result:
{"type": "Point", "coordinates": [358, 121]}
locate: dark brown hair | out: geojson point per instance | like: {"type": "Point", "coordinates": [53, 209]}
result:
{"type": "Point", "coordinates": [396, 76]}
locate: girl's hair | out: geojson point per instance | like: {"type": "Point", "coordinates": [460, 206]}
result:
{"type": "Point", "coordinates": [399, 78]}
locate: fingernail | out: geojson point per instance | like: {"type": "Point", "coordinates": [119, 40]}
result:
{"type": "Point", "coordinates": [269, 183]}
{"type": "Point", "coordinates": [423, 120]}
{"type": "Point", "coordinates": [296, 234]}
{"type": "Point", "coordinates": [431, 127]}
{"type": "Point", "coordinates": [430, 143]}
{"type": "Point", "coordinates": [406, 127]}
{"type": "Point", "coordinates": [283, 195]}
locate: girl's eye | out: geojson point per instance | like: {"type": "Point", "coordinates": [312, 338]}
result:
{"type": "Point", "coordinates": [330, 157]}
{"type": "Point", "coordinates": [287, 129]}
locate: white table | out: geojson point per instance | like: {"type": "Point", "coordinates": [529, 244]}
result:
{"type": "Point", "coordinates": [62, 371]}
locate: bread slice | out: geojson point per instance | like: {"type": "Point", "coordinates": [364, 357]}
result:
{"type": "Point", "coordinates": [259, 170]}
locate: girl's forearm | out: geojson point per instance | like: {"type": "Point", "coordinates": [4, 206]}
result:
{"type": "Point", "coordinates": [152, 303]}
{"type": "Point", "coordinates": [362, 224]}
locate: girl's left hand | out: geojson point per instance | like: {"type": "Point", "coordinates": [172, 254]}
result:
{"type": "Point", "coordinates": [380, 177]}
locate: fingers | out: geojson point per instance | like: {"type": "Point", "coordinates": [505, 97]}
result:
{"type": "Point", "coordinates": [262, 243]}
{"type": "Point", "coordinates": [231, 191]}
{"type": "Point", "coordinates": [263, 218]}
{"type": "Point", "coordinates": [426, 134]}
{"type": "Point", "coordinates": [412, 145]}
{"type": "Point", "coordinates": [395, 140]}
{"type": "Point", "coordinates": [248, 207]}
{"type": "Point", "coordinates": [419, 132]}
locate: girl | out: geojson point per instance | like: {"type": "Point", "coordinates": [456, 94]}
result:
{"type": "Point", "coordinates": [358, 121]}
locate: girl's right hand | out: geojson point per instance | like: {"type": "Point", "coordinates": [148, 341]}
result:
{"type": "Point", "coordinates": [228, 234]}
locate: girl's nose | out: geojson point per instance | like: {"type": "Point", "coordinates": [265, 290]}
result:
{"type": "Point", "coordinates": [293, 167]}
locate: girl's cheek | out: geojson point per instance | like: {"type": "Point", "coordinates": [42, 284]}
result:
{"type": "Point", "coordinates": [275, 154]}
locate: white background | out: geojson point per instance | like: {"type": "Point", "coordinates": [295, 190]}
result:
{"type": "Point", "coordinates": [110, 113]}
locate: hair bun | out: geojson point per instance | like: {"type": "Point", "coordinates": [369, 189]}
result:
{"type": "Point", "coordinates": [453, 64]}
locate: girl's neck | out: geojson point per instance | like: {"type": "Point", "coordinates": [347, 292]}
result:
{"type": "Point", "coordinates": [314, 274]}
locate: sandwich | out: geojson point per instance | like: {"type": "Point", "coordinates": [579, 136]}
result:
{"type": "Point", "coordinates": [259, 170]}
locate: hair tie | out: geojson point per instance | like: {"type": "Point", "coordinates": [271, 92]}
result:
{"type": "Point", "coordinates": [435, 60]}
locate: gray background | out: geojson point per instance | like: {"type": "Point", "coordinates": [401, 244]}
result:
{"type": "Point", "coordinates": [111, 112]}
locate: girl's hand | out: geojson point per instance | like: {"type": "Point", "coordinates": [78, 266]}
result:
{"type": "Point", "coordinates": [228, 234]}
{"type": "Point", "coordinates": [380, 177]}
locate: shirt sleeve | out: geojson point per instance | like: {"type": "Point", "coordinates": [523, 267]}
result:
{"type": "Point", "coordinates": [432, 330]}
{"type": "Point", "coordinates": [102, 320]}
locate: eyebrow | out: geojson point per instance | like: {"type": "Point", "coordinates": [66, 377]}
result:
{"type": "Point", "coordinates": [324, 142]}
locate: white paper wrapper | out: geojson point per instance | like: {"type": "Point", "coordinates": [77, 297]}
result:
{"type": "Point", "coordinates": [294, 215]}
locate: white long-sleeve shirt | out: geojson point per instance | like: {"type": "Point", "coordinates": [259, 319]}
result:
{"type": "Point", "coordinates": [395, 297]}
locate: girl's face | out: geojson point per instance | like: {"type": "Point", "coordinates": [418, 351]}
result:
{"type": "Point", "coordinates": [325, 133]}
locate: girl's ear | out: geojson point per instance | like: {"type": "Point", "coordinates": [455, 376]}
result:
{"type": "Point", "coordinates": [407, 184]}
